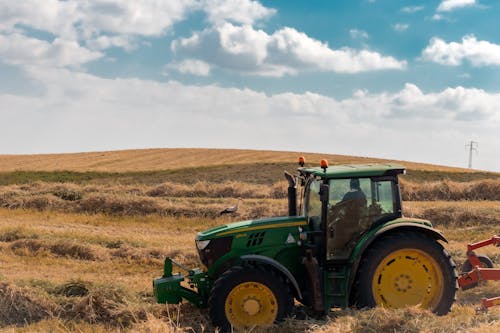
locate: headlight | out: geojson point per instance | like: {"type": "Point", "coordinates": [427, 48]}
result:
{"type": "Point", "coordinates": [201, 244]}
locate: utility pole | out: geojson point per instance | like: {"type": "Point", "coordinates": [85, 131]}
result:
{"type": "Point", "coordinates": [472, 147]}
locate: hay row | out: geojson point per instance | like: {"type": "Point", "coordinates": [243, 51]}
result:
{"type": "Point", "coordinates": [108, 304]}
{"type": "Point", "coordinates": [488, 189]}
{"type": "Point", "coordinates": [25, 246]}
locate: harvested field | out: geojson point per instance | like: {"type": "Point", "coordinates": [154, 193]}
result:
{"type": "Point", "coordinates": [105, 284]}
{"type": "Point", "coordinates": [207, 199]}
{"type": "Point", "coordinates": [82, 235]}
{"type": "Point", "coordinates": [175, 158]}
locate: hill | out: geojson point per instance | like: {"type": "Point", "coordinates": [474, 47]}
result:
{"type": "Point", "coordinates": [176, 158]}
{"type": "Point", "coordinates": [151, 166]}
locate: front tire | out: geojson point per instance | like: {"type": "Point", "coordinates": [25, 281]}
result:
{"type": "Point", "coordinates": [246, 297]}
{"type": "Point", "coordinates": [405, 269]}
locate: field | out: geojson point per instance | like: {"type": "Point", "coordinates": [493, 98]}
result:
{"type": "Point", "coordinates": [82, 235]}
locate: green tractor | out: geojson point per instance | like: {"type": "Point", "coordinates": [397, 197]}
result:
{"type": "Point", "coordinates": [344, 243]}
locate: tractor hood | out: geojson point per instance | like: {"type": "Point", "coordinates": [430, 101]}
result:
{"type": "Point", "coordinates": [250, 225]}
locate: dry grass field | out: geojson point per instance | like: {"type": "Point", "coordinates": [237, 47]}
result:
{"type": "Point", "coordinates": [172, 158]}
{"type": "Point", "coordinates": [78, 251]}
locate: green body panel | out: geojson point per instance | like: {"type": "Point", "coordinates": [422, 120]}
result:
{"type": "Point", "coordinates": [249, 226]}
{"type": "Point", "coordinates": [279, 240]}
{"type": "Point", "coordinates": [369, 234]}
{"type": "Point", "coordinates": [354, 170]}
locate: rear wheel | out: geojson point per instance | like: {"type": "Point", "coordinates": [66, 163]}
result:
{"type": "Point", "coordinates": [247, 297]}
{"type": "Point", "coordinates": [405, 269]}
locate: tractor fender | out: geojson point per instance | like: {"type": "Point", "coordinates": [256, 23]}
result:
{"type": "Point", "coordinates": [276, 265]}
{"type": "Point", "coordinates": [409, 226]}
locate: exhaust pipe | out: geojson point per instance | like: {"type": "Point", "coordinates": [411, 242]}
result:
{"type": "Point", "coordinates": [292, 194]}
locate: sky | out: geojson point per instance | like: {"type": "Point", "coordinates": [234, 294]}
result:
{"type": "Point", "coordinates": [405, 80]}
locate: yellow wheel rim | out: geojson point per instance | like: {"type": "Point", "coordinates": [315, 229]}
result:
{"type": "Point", "coordinates": [251, 304]}
{"type": "Point", "coordinates": [408, 277]}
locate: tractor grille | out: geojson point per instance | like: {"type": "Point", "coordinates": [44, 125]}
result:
{"type": "Point", "coordinates": [215, 249]}
{"type": "Point", "coordinates": [256, 238]}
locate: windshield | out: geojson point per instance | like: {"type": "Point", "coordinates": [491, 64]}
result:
{"type": "Point", "coordinates": [313, 202]}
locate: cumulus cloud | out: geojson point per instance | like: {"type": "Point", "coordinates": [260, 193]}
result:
{"type": "Point", "coordinates": [477, 52]}
{"type": "Point", "coordinates": [18, 49]}
{"type": "Point", "coordinates": [400, 27]}
{"type": "Point", "coordinates": [412, 9]}
{"type": "Point", "coordinates": [140, 113]}
{"type": "Point", "coordinates": [72, 19]}
{"type": "Point", "coordinates": [237, 11]}
{"type": "Point", "coordinates": [449, 5]}
{"type": "Point", "coordinates": [105, 42]}
{"type": "Point", "coordinates": [190, 66]}
{"type": "Point", "coordinates": [286, 51]}
{"type": "Point", "coordinates": [112, 23]}
{"type": "Point", "coordinates": [356, 33]}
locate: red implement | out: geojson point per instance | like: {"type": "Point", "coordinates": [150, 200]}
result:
{"type": "Point", "coordinates": [479, 272]}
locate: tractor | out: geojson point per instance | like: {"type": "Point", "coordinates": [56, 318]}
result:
{"type": "Point", "coordinates": [344, 243]}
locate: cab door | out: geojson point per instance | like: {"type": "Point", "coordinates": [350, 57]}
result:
{"type": "Point", "coordinates": [355, 205]}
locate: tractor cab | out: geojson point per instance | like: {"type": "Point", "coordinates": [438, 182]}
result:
{"type": "Point", "coordinates": [343, 204]}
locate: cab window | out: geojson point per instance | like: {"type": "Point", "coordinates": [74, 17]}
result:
{"type": "Point", "coordinates": [354, 204]}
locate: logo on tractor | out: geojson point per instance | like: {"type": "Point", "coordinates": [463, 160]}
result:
{"type": "Point", "coordinates": [290, 239]}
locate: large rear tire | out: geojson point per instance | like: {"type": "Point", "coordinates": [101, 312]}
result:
{"type": "Point", "coordinates": [405, 269]}
{"type": "Point", "coordinates": [247, 297]}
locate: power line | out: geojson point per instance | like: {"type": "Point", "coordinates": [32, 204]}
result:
{"type": "Point", "coordinates": [473, 145]}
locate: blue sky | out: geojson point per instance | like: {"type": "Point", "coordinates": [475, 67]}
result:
{"type": "Point", "coordinates": [409, 80]}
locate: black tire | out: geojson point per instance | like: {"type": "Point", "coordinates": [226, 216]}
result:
{"type": "Point", "coordinates": [375, 273]}
{"type": "Point", "coordinates": [238, 276]}
{"type": "Point", "coordinates": [467, 267]}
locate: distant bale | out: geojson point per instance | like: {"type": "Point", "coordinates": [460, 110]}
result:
{"type": "Point", "coordinates": [138, 255]}
{"type": "Point", "coordinates": [163, 190]}
{"type": "Point", "coordinates": [67, 192]}
{"type": "Point", "coordinates": [19, 306]}
{"type": "Point", "coordinates": [279, 191]}
{"type": "Point", "coordinates": [13, 234]}
{"type": "Point", "coordinates": [24, 247]}
{"type": "Point", "coordinates": [455, 216]}
{"type": "Point", "coordinates": [115, 205]}
{"type": "Point", "coordinates": [230, 189]}
{"type": "Point", "coordinates": [42, 202]}
{"type": "Point", "coordinates": [72, 289]}
{"type": "Point", "coordinates": [73, 250]}
{"type": "Point", "coordinates": [484, 190]}
{"type": "Point", "coordinates": [104, 305]}
{"type": "Point", "coordinates": [61, 249]}
{"type": "Point", "coordinates": [447, 190]}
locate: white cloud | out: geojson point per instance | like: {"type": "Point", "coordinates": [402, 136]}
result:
{"type": "Point", "coordinates": [449, 5]}
{"type": "Point", "coordinates": [190, 66]}
{"type": "Point", "coordinates": [113, 23]}
{"type": "Point", "coordinates": [18, 49]}
{"type": "Point", "coordinates": [287, 51]}
{"type": "Point", "coordinates": [477, 52]}
{"type": "Point", "coordinates": [124, 113]}
{"type": "Point", "coordinates": [412, 9]}
{"type": "Point", "coordinates": [105, 42]}
{"type": "Point", "coordinates": [400, 27]}
{"type": "Point", "coordinates": [237, 11]}
{"type": "Point", "coordinates": [73, 18]}
{"type": "Point", "coordinates": [356, 33]}
{"type": "Point", "coordinates": [437, 17]}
